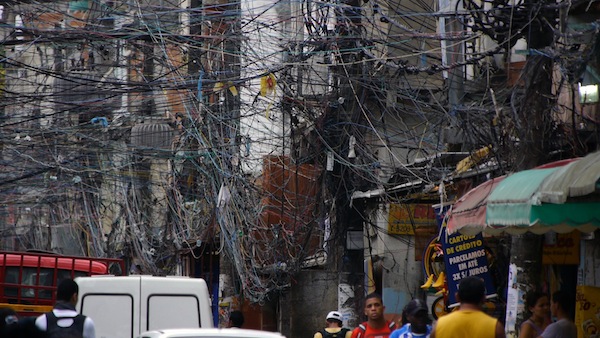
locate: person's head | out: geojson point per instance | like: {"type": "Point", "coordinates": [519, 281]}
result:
{"type": "Point", "coordinates": [236, 319]}
{"type": "Point", "coordinates": [471, 290]}
{"type": "Point", "coordinates": [538, 304]}
{"type": "Point", "coordinates": [67, 291]}
{"type": "Point", "coordinates": [334, 319]}
{"type": "Point", "coordinates": [561, 304]}
{"type": "Point", "coordinates": [374, 306]}
{"type": "Point", "coordinates": [417, 314]}
{"type": "Point", "coordinates": [8, 317]}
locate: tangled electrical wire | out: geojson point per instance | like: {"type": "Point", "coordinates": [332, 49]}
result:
{"type": "Point", "coordinates": [136, 128]}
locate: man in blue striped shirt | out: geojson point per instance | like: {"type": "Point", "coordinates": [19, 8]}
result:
{"type": "Point", "coordinates": [415, 320]}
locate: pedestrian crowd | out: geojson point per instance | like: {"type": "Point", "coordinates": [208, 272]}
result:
{"type": "Point", "coordinates": [468, 320]}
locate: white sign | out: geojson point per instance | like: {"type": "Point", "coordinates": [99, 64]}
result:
{"type": "Point", "coordinates": [512, 302]}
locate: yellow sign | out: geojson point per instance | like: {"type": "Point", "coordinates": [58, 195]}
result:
{"type": "Point", "coordinates": [587, 311]}
{"type": "Point", "coordinates": [405, 218]}
{"type": "Point", "coordinates": [565, 250]}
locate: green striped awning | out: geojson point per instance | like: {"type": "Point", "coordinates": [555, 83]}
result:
{"type": "Point", "coordinates": [514, 206]}
{"type": "Point", "coordinates": [559, 196]}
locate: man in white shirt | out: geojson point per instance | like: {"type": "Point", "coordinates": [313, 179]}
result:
{"type": "Point", "coordinates": [64, 320]}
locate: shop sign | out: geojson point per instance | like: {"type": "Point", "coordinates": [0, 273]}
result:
{"type": "Point", "coordinates": [561, 248]}
{"type": "Point", "coordinates": [465, 256]}
{"type": "Point", "coordinates": [405, 218]}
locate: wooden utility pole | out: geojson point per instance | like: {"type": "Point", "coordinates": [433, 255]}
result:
{"type": "Point", "coordinates": [229, 129]}
{"type": "Point", "coordinates": [532, 126]}
{"type": "Point", "coordinates": [348, 217]}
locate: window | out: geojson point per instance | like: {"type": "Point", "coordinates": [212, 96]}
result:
{"type": "Point", "coordinates": [30, 277]}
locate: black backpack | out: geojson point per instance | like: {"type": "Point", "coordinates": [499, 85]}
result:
{"type": "Point", "coordinates": [73, 331]}
{"type": "Point", "coordinates": [340, 334]}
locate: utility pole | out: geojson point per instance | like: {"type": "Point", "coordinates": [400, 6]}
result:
{"type": "Point", "coordinates": [229, 129]}
{"type": "Point", "coordinates": [453, 54]}
{"type": "Point", "coordinates": [533, 123]}
{"type": "Point", "coordinates": [6, 227]}
{"type": "Point", "coordinates": [348, 218]}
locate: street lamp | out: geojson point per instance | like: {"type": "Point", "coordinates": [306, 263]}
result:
{"type": "Point", "coordinates": [588, 87]}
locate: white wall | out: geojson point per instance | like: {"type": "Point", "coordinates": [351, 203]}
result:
{"type": "Point", "coordinates": [262, 123]}
{"type": "Point", "coordinates": [401, 274]}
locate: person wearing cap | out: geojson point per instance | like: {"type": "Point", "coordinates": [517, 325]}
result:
{"type": "Point", "coordinates": [334, 327]}
{"type": "Point", "coordinates": [415, 321]}
{"type": "Point", "coordinates": [469, 320]}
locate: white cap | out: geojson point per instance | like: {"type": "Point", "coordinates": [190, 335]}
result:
{"type": "Point", "coordinates": [335, 315]}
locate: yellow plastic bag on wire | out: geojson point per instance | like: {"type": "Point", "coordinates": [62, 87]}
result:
{"type": "Point", "coordinates": [268, 84]}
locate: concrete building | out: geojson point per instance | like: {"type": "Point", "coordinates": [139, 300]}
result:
{"type": "Point", "coordinates": [288, 152]}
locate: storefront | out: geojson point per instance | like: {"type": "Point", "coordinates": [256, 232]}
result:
{"type": "Point", "coordinates": [559, 201]}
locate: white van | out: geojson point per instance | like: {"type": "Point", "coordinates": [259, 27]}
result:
{"type": "Point", "coordinates": [125, 306]}
{"type": "Point", "coordinates": [210, 333]}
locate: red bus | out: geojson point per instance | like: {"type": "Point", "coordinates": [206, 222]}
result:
{"type": "Point", "coordinates": [28, 280]}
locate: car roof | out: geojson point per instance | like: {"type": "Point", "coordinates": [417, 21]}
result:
{"type": "Point", "coordinates": [210, 333]}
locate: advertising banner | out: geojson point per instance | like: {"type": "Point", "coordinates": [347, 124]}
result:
{"type": "Point", "coordinates": [587, 311]}
{"type": "Point", "coordinates": [405, 218]}
{"type": "Point", "coordinates": [562, 249]}
{"type": "Point", "coordinates": [465, 256]}
{"type": "Point", "coordinates": [515, 302]}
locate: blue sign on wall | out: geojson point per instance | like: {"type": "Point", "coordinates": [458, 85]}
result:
{"type": "Point", "coordinates": [465, 256]}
